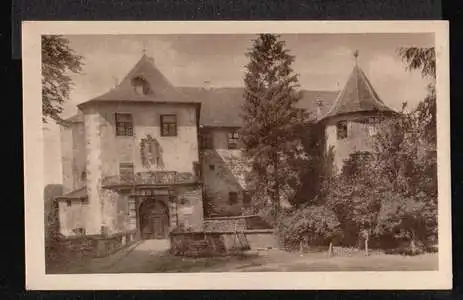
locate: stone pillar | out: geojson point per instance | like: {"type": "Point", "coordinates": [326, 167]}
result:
{"type": "Point", "coordinates": [132, 213]}
{"type": "Point", "coordinates": [94, 173]}
{"type": "Point", "coordinates": [173, 211]}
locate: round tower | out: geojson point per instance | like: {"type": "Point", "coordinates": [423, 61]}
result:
{"type": "Point", "coordinates": [352, 121]}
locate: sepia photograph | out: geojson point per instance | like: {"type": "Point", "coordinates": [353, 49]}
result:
{"type": "Point", "coordinates": [169, 152]}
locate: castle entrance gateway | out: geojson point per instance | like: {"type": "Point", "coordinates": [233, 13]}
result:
{"type": "Point", "coordinates": [153, 213]}
{"type": "Point", "coordinates": [153, 219]}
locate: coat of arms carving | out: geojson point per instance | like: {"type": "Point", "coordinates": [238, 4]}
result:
{"type": "Point", "coordinates": [151, 153]}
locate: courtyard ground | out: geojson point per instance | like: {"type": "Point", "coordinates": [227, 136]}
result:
{"type": "Point", "coordinates": [151, 256]}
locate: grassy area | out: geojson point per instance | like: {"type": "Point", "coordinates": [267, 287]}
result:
{"type": "Point", "coordinates": [147, 258]}
{"type": "Point", "coordinates": [275, 261]}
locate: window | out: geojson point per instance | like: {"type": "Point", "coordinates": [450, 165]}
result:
{"type": "Point", "coordinates": [126, 171]}
{"type": "Point", "coordinates": [206, 140]}
{"type": "Point", "coordinates": [246, 198]}
{"type": "Point", "coordinates": [83, 176]}
{"type": "Point", "coordinates": [68, 202]}
{"type": "Point", "coordinates": [212, 167]}
{"type": "Point", "coordinates": [372, 130]}
{"type": "Point", "coordinates": [168, 125]}
{"type": "Point", "coordinates": [232, 198]}
{"type": "Point", "coordinates": [233, 139]}
{"type": "Point", "coordinates": [372, 126]}
{"type": "Point", "coordinates": [341, 130]}
{"type": "Point", "coordinates": [197, 169]}
{"type": "Point", "coordinates": [79, 231]}
{"type": "Point", "coordinates": [141, 86]}
{"type": "Point", "coordinates": [124, 125]}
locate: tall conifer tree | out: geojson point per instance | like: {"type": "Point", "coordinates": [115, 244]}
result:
{"type": "Point", "coordinates": [269, 137]}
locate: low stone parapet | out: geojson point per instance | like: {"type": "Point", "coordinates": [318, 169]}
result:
{"type": "Point", "coordinates": [94, 245]}
{"type": "Point", "coordinates": [235, 223]}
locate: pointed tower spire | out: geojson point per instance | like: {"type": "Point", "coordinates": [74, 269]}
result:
{"type": "Point", "coordinates": [144, 48]}
{"type": "Point", "coordinates": [358, 95]}
{"type": "Point", "coordinates": [356, 55]}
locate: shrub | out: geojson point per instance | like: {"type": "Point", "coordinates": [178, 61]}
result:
{"type": "Point", "coordinates": [314, 225]}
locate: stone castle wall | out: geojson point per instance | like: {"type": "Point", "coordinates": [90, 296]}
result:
{"type": "Point", "coordinates": [358, 139]}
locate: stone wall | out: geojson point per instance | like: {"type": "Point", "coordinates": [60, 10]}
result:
{"type": "Point", "coordinates": [93, 126]}
{"type": "Point", "coordinates": [72, 215]}
{"type": "Point", "coordinates": [93, 246]}
{"type": "Point", "coordinates": [178, 153]}
{"type": "Point", "coordinates": [225, 224]}
{"type": "Point", "coordinates": [73, 156]}
{"type": "Point", "coordinates": [358, 139]}
{"type": "Point", "coordinates": [223, 172]}
{"type": "Point", "coordinates": [67, 158]}
{"type": "Point", "coordinates": [238, 223]}
{"type": "Point", "coordinates": [115, 212]}
{"type": "Point", "coordinates": [190, 207]}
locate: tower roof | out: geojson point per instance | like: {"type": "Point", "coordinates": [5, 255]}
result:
{"type": "Point", "coordinates": [358, 95]}
{"type": "Point", "coordinates": [160, 89]}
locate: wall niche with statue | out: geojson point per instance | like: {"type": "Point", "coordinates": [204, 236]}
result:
{"type": "Point", "coordinates": [151, 153]}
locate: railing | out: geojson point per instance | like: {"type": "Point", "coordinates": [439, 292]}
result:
{"type": "Point", "coordinates": [149, 178]}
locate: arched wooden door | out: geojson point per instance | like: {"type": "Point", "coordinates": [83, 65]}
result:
{"type": "Point", "coordinates": [154, 219]}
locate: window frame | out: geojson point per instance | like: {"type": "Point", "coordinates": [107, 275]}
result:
{"type": "Point", "coordinates": [162, 122]}
{"type": "Point", "coordinates": [232, 198]}
{"type": "Point", "coordinates": [231, 137]}
{"type": "Point", "coordinates": [206, 140]}
{"type": "Point", "coordinates": [346, 130]}
{"type": "Point", "coordinates": [123, 128]}
{"type": "Point", "coordinates": [246, 198]}
{"type": "Point", "coordinates": [127, 166]}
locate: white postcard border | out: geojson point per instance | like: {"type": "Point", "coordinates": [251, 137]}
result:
{"type": "Point", "coordinates": [36, 279]}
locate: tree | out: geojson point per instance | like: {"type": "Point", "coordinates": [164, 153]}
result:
{"type": "Point", "coordinates": [392, 192]}
{"type": "Point", "coordinates": [424, 61]}
{"type": "Point", "coordinates": [58, 61]}
{"type": "Point", "coordinates": [354, 196]}
{"type": "Point", "coordinates": [270, 116]}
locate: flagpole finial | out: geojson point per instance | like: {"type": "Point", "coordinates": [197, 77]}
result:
{"type": "Point", "coordinates": [356, 55]}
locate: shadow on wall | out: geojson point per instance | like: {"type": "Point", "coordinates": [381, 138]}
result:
{"type": "Point", "coordinates": [221, 182]}
{"type": "Point", "coordinates": [51, 216]}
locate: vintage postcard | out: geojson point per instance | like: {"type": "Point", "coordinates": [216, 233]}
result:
{"type": "Point", "coordinates": [237, 155]}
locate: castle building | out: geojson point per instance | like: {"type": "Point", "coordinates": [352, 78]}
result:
{"type": "Point", "coordinates": [146, 156]}
{"type": "Point", "coordinates": [354, 118]}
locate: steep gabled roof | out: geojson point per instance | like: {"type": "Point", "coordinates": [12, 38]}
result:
{"type": "Point", "coordinates": [78, 194]}
{"type": "Point", "coordinates": [358, 95]}
{"type": "Point", "coordinates": [161, 90]}
{"type": "Point", "coordinates": [221, 107]}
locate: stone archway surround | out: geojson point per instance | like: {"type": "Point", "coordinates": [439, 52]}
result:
{"type": "Point", "coordinates": [153, 218]}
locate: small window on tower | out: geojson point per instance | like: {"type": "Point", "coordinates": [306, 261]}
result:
{"type": "Point", "coordinates": [232, 198]}
{"type": "Point", "coordinates": [341, 130]}
{"type": "Point", "coordinates": [372, 129]}
{"type": "Point", "coordinates": [246, 198]}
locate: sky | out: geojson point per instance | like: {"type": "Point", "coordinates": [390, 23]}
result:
{"type": "Point", "coordinates": [323, 62]}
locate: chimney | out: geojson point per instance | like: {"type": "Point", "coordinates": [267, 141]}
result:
{"type": "Point", "coordinates": [207, 85]}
